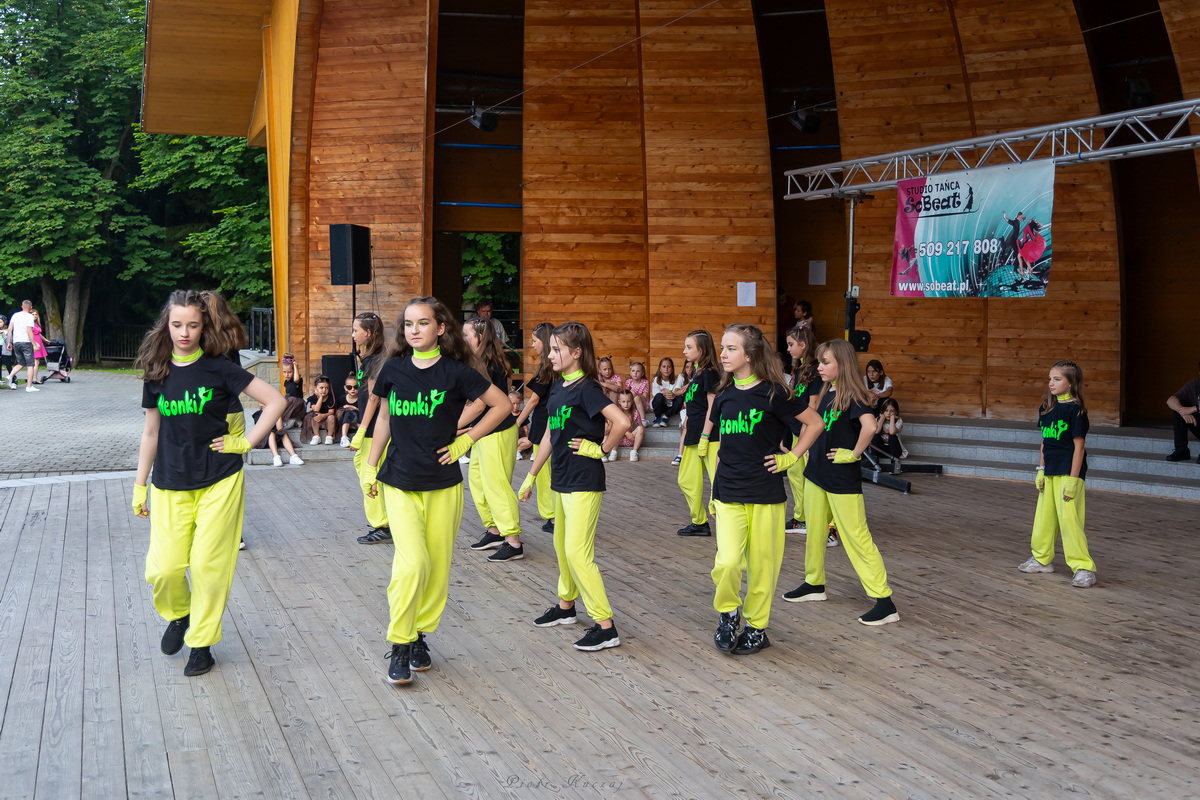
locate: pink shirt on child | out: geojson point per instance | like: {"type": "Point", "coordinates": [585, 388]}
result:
{"type": "Point", "coordinates": [641, 387]}
{"type": "Point", "coordinates": [636, 417]}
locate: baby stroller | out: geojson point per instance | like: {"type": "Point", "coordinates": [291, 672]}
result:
{"type": "Point", "coordinates": [57, 361]}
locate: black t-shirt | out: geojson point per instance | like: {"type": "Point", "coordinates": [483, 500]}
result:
{"type": "Point", "coordinates": [1059, 426]}
{"type": "Point", "coordinates": [193, 401]}
{"type": "Point", "coordinates": [330, 403]}
{"type": "Point", "coordinates": [541, 412]}
{"type": "Point", "coordinates": [499, 379]}
{"type": "Point", "coordinates": [752, 422]}
{"type": "Point", "coordinates": [695, 400]}
{"type": "Point", "coordinates": [805, 392]}
{"type": "Point", "coordinates": [841, 431]}
{"type": "Point", "coordinates": [235, 402]}
{"type": "Point", "coordinates": [293, 389]}
{"type": "Point", "coordinates": [1189, 393]}
{"type": "Point", "coordinates": [576, 412]}
{"type": "Point", "coordinates": [423, 410]}
{"type": "Point", "coordinates": [364, 368]}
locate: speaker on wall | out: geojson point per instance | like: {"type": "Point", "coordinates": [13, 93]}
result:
{"type": "Point", "coordinates": [336, 368]}
{"type": "Point", "coordinates": [349, 254]}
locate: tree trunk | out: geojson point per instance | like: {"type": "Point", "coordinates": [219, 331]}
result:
{"type": "Point", "coordinates": [53, 328]}
{"type": "Point", "coordinates": [79, 291]}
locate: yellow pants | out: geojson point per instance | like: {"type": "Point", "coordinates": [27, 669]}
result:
{"type": "Point", "coordinates": [372, 506]}
{"type": "Point", "coordinates": [545, 495]}
{"type": "Point", "coordinates": [1054, 516]}
{"type": "Point", "coordinates": [424, 525]}
{"type": "Point", "coordinates": [576, 515]}
{"type": "Point", "coordinates": [691, 479]}
{"type": "Point", "coordinates": [490, 475]}
{"type": "Point", "coordinates": [197, 530]}
{"type": "Point", "coordinates": [749, 535]}
{"type": "Point", "coordinates": [796, 479]}
{"type": "Point", "coordinates": [849, 512]}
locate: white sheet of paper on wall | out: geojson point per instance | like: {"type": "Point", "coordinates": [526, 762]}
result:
{"type": "Point", "coordinates": [747, 293]}
{"type": "Point", "coordinates": [816, 273]}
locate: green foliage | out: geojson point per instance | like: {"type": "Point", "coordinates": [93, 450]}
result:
{"type": "Point", "coordinates": [489, 266]}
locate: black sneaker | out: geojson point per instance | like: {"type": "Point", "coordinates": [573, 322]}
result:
{"type": "Point", "coordinates": [548, 526]}
{"type": "Point", "coordinates": [805, 593]}
{"type": "Point", "coordinates": [376, 535]}
{"type": "Point", "coordinates": [418, 655]}
{"type": "Point", "coordinates": [490, 541]}
{"type": "Point", "coordinates": [597, 638]}
{"type": "Point", "coordinates": [883, 613]}
{"type": "Point", "coordinates": [693, 529]}
{"type": "Point", "coordinates": [556, 615]}
{"type": "Point", "coordinates": [172, 639]}
{"type": "Point", "coordinates": [242, 544]}
{"type": "Point", "coordinates": [727, 630]}
{"type": "Point", "coordinates": [750, 641]}
{"type": "Point", "coordinates": [199, 662]}
{"type": "Point", "coordinates": [508, 553]}
{"type": "Point", "coordinates": [1180, 455]}
{"type": "Point", "coordinates": [400, 671]}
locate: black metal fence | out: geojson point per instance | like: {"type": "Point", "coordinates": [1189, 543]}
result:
{"type": "Point", "coordinates": [112, 343]}
{"type": "Point", "coordinates": [261, 330]}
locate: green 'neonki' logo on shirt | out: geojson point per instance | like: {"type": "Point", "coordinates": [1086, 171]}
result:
{"type": "Point", "coordinates": [691, 392]}
{"type": "Point", "coordinates": [801, 388]}
{"type": "Point", "coordinates": [419, 406]}
{"type": "Point", "coordinates": [558, 420]}
{"type": "Point", "coordinates": [745, 423]}
{"type": "Point", "coordinates": [190, 404]}
{"type": "Point", "coordinates": [1055, 430]}
{"type": "Point", "coordinates": [830, 416]}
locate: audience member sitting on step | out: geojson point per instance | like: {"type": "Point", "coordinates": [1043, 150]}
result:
{"type": "Point", "coordinates": [1184, 416]}
{"type": "Point", "coordinates": [322, 412]}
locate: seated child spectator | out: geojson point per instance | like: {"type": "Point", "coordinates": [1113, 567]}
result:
{"type": "Point", "coordinates": [878, 384]}
{"type": "Point", "coordinates": [610, 382]}
{"type": "Point", "coordinates": [293, 392]}
{"type": "Point", "coordinates": [636, 433]}
{"type": "Point", "coordinates": [274, 437]}
{"type": "Point", "coordinates": [666, 393]}
{"type": "Point", "coordinates": [1185, 416]}
{"type": "Point", "coordinates": [639, 387]}
{"type": "Point", "coordinates": [348, 416]}
{"type": "Point", "coordinates": [322, 412]}
{"type": "Point", "coordinates": [887, 438]}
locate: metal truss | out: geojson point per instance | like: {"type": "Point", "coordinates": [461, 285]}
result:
{"type": "Point", "coordinates": [1140, 132]}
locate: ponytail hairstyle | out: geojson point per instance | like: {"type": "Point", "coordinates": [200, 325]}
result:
{"type": "Point", "coordinates": [370, 322]}
{"type": "Point", "coordinates": [764, 361]}
{"type": "Point", "coordinates": [849, 387]}
{"type": "Point", "coordinates": [489, 352]}
{"type": "Point", "coordinates": [545, 372]}
{"type": "Point", "coordinates": [1074, 375]}
{"type": "Point", "coordinates": [451, 342]}
{"type": "Point", "coordinates": [876, 365]}
{"type": "Point", "coordinates": [805, 370]}
{"type": "Point", "coordinates": [708, 352]}
{"type": "Point", "coordinates": [574, 335]}
{"type": "Point", "coordinates": [219, 335]}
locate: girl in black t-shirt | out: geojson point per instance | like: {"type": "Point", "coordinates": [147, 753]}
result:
{"type": "Point", "coordinates": [493, 456]}
{"type": "Point", "coordinates": [322, 412]}
{"type": "Point", "coordinates": [367, 333]}
{"type": "Point", "coordinates": [753, 409]}
{"type": "Point", "coordinates": [423, 386]}
{"type": "Point", "coordinates": [536, 412]}
{"type": "Point", "coordinates": [1062, 468]}
{"type": "Point", "coordinates": [806, 385]}
{"type": "Point", "coordinates": [578, 411]}
{"type": "Point", "coordinates": [834, 483]}
{"type": "Point", "coordinates": [196, 496]}
{"type": "Point", "coordinates": [293, 391]}
{"type": "Point", "coordinates": [700, 441]}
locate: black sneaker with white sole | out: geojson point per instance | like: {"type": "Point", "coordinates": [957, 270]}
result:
{"type": "Point", "coordinates": [418, 655]}
{"type": "Point", "coordinates": [692, 529]}
{"type": "Point", "coordinates": [376, 536]}
{"type": "Point", "coordinates": [548, 526]}
{"type": "Point", "coordinates": [199, 662]}
{"type": "Point", "coordinates": [399, 670]}
{"type": "Point", "coordinates": [556, 615]}
{"type": "Point", "coordinates": [508, 553]}
{"type": "Point", "coordinates": [490, 541]}
{"type": "Point", "coordinates": [805, 593]}
{"type": "Point", "coordinates": [750, 641]}
{"type": "Point", "coordinates": [727, 630]}
{"type": "Point", "coordinates": [882, 613]}
{"type": "Point", "coordinates": [598, 638]}
{"type": "Point", "coordinates": [172, 638]}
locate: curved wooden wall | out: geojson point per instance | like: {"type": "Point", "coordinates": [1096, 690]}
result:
{"type": "Point", "coordinates": [926, 73]}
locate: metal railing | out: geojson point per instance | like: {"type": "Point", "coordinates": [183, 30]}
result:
{"type": "Point", "coordinates": [113, 343]}
{"type": "Point", "coordinates": [261, 330]}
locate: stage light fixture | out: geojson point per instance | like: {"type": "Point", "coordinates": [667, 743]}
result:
{"type": "Point", "coordinates": [483, 120]}
{"type": "Point", "coordinates": [804, 121]}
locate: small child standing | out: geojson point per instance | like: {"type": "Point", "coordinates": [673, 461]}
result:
{"type": "Point", "coordinates": [637, 432]}
{"type": "Point", "coordinates": [1061, 471]}
{"type": "Point", "coordinates": [639, 386]}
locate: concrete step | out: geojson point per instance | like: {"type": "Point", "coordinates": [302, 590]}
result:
{"type": "Point", "coordinates": [1026, 455]}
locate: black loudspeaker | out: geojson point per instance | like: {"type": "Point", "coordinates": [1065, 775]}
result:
{"type": "Point", "coordinates": [336, 368]}
{"type": "Point", "coordinates": [860, 340]}
{"type": "Point", "coordinates": [349, 255]}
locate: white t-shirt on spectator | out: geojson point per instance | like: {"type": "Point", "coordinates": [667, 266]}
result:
{"type": "Point", "coordinates": [887, 384]}
{"type": "Point", "coordinates": [657, 387]}
{"type": "Point", "coordinates": [22, 321]}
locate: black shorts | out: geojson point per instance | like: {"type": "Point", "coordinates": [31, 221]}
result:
{"type": "Point", "coordinates": [24, 353]}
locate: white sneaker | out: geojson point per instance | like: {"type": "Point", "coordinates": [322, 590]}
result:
{"type": "Point", "coordinates": [296, 461]}
{"type": "Point", "coordinates": [612, 456]}
{"type": "Point", "coordinates": [315, 440]}
{"type": "Point", "coordinates": [29, 387]}
{"type": "Point", "coordinates": [1032, 565]}
{"type": "Point", "coordinates": [12, 384]}
{"type": "Point", "coordinates": [519, 455]}
{"type": "Point", "coordinates": [345, 441]}
{"type": "Point", "coordinates": [633, 455]}
{"type": "Point", "coordinates": [277, 461]}
{"type": "Point", "coordinates": [328, 440]}
{"type": "Point", "coordinates": [1083, 579]}
{"type": "Point", "coordinates": [464, 460]}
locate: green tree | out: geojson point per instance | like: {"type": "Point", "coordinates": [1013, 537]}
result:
{"type": "Point", "coordinates": [70, 75]}
{"type": "Point", "coordinates": [489, 267]}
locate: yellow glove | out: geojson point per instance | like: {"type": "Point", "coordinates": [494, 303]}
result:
{"type": "Point", "coordinates": [359, 437]}
{"type": "Point", "coordinates": [702, 447]}
{"type": "Point", "coordinates": [460, 446]}
{"type": "Point", "coordinates": [368, 478]}
{"type": "Point", "coordinates": [1072, 488]}
{"type": "Point", "coordinates": [783, 461]}
{"type": "Point", "coordinates": [590, 449]}
{"type": "Point", "coordinates": [139, 500]}
{"type": "Point", "coordinates": [231, 443]}
{"type": "Point", "coordinates": [526, 487]}
{"type": "Point", "coordinates": [844, 456]}
{"type": "Point", "coordinates": [1040, 480]}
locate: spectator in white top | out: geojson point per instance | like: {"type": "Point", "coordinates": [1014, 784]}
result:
{"type": "Point", "coordinates": [878, 384]}
{"type": "Point", "coordinates": [666, 392]}
{"type": "Point", "coordinates": [20, 333]}
{"type": "Point", "coordinates": [484, 309]}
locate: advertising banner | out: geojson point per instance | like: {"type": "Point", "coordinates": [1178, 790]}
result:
{"type": "Point", "coordinates": [978, 233]}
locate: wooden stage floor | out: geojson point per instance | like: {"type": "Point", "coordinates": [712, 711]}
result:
{"type": "Point", "coordinates": [994, 684]}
